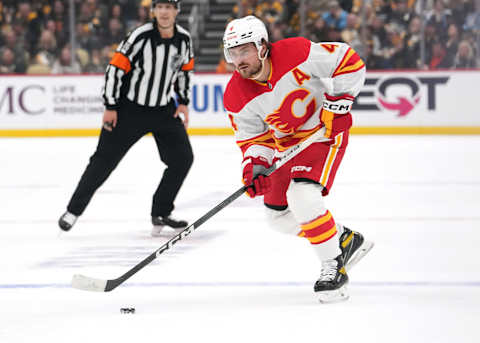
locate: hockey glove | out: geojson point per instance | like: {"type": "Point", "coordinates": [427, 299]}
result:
{"type": "Point", "coordinates": [335, 114]}
{"type": "Point", "coordinates": [253, 176]}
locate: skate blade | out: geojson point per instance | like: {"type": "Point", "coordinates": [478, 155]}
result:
{"type": "Point", "coordinates": [157, 230]}
{"type": "Point", "coordinates": [359, 254]}
{"type": "Point", "coordinates": [334, 296]}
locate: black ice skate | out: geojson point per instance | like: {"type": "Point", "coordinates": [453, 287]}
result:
{"type": "Point", "coordinates": [67, 220]}
{"type": "Point", "coordinates": [354, 247]}
{"type": "Point", "coordinates": [332, 284]}
{"type": "Point", "coordinates": [160, 222]}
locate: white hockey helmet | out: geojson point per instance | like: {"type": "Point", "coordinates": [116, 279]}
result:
{"type": "Point", "coordinates": [248, 29]}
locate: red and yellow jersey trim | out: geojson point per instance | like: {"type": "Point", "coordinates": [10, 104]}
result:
{"type": "Point", "coordinates": [350, 63]}
{"type": "Point", "coordinates": [121, 61]}
{"type": "Point", "coordinates": [287, 142]}
{"type": "Point", "coordinates": [264, 139]}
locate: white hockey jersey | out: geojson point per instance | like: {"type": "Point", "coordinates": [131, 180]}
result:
{"type": "Point", "coordinates": [280, 113]}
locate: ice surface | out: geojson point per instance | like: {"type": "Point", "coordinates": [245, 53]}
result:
{"type": "Point", "coordinates": [234, 280]}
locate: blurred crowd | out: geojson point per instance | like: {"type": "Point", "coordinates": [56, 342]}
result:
{"type": "Point", "coordinates": [35, 35]}
{"type": "Point", "coordinates": [386, 33]}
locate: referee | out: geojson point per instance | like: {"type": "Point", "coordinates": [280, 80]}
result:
{"type": "Point", "coordinates": [154, 60]}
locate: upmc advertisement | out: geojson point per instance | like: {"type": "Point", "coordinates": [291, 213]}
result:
{"type": "Point", "coordinates": [446, 99]}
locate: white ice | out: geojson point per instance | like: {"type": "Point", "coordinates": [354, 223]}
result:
{"type": "Point", "coordinates": [234, 280]}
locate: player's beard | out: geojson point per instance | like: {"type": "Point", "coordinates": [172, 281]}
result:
{"type": "Point", "coordinates": [250, 72]}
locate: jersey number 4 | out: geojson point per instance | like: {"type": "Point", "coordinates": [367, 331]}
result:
{"type": "Point", "coordinates": [329, 47]}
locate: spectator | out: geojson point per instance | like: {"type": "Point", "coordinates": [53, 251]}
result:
{"type": "Point", "coordinates": [100, 23]}
{"type": "Point", "coordinates": [87, 12]}
{"type": "Point", "coordinates": [336, 17]}
{"type": "Point", "coordinates": [7, 62]}
{"type": "Point", "coordinates": [63, 64]}
{"type": "Point", "coordinates": [290, 8]}
{"type": "Point", "coordinates": [294, 21]}
{"type": "Point", "coordinates": [277, 31]}
{"type": "Point", "coordinates": [114, 34]}
{"type": "Point", "coordinates": [465, 57]}
{"type": "Point", "coordinates": [319, 31]}
{"type": "Point", "coordinates": [116, 12]}
{"type": "Point", "coordinates": [6, 14]}
{"type": "Point", "coordinates": [143, 16]}
{"type": "Point", "coordinates": [453, 37]}
{"type": "Point", "coordinates": [460, 9]}
{"type": "Point", "coordinates": [60, 18]}
{"type": "Point", "coordinates": [430, 38]}
{"type": "Point", "coordinates": [372, 61]}
{"type": "Point", "coordinates": [247, 7]}
{"type": "Point", "coordinates": [96, 64]}
{"type": "Point", "coordinates": [129, 9]}
{"type": "Point", "coordinates": [472, 26]}
{"type": "Point", "coordinates": [346, 5]}
{"type": "Point", "coordinates": [18, 50]}
{"type": "Point", "coordinates": [50, 26]}
{"type": "Point", "coordinates": [439, 17]}
{"type": "Point", "coordinates": [379, 37]}
{"type": "Point", "coordinates": [393, 50]}
{"type": "Point", "coordinates": [472, 21]}
{"type": "Point", "coordinates": [47, 48]}
{"type": "Point", "coordinates": [439, 58]}
{"type": "Point", "coordinates": [411, 52]}
{"type": "Point", "coordinates": [400, 15]}
{"type": "Point", "coordinates": [270, 11]}
{"type": "Point", "coordinates": [29, 20]}
{"type": "Point", "coordinates": [351, 33]}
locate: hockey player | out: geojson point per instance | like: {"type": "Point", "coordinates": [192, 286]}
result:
{"type": "Point", "coordinates": [279, 95]}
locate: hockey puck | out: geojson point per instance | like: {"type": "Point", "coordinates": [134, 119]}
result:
{"type": "Point", "coordinates": [127, 310]}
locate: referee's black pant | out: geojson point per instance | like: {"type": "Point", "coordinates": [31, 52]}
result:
{"type": "Point", "coordinates": [133, 122]}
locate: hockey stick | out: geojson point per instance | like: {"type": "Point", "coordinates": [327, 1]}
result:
{"type": "Point", "coordinates": [92, 284]}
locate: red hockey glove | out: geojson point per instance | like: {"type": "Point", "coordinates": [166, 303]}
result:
{"type": "Point", "coordinates": [335, 114]}
{"type": "Point", "coordinates": [253, 169]}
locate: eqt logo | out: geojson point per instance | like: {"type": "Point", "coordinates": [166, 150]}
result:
{"type": "Point", "coordinates": [398, 94]}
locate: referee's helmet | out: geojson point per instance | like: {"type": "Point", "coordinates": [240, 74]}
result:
{"type": "Point", "coordinates": [174, 2]}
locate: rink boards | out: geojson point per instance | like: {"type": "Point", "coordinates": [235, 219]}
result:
{"type": "Point", "coordinates": [404, 102]}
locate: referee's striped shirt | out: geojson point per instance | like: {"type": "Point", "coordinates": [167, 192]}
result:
{"type": "Point", "coordinates": [147, 69]}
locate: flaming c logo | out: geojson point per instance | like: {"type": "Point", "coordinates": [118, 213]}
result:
{"type": "Point", "coordinates": [285, 118]}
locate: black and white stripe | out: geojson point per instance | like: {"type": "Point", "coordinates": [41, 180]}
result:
{"type": "Point", "coordinates": [156, 64]}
